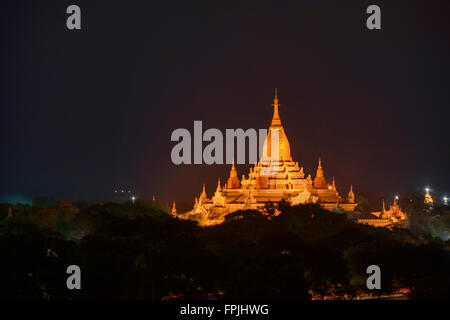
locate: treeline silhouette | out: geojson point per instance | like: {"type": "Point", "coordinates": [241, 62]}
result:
{"type": "Point", "coordinates": [139, 251]}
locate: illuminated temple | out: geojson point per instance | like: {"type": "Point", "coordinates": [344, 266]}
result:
{"type": "Point", "coordinates": [260, 186]}
{"type": "Point", "coordinates": [277, 177]}
{"type": "Point", "coordinates": [394, 216]}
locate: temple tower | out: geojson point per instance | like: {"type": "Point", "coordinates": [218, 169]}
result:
{"type": "Point", "coordinates": [320, 182]}
{"type": "Point", "coordinates": [233, 180]}
{"type": "Point", "coordinates": [351, 195]}
{"type": "Point", "coordinates": [174, 209]}
{"type": "Point", "coordinates": [284, 149]}
{"type": "Point", "coordinates": [203, 195]}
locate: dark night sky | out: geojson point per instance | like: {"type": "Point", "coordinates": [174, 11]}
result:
{"type": "Point", "coordinates": [86, 112]}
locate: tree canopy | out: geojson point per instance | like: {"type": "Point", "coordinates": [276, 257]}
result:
{"type": "Point", "coordinates": [139, 251]}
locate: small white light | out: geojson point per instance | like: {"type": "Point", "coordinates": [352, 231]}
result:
{"type": "Point", "coordinates": [426, 189]}
{"type": "Point", "coordinates": [396, 197]}
{"type": "Point", "coordinates": [133, 198]}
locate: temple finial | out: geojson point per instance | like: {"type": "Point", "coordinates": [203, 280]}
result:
{"type": "Point", "coordinates": [233, 172]}
{"type": "Point", "coordinates": [276, 117]}
{"type": "Point", "coordinates": [218, 185]}
{"type": "Point", "coordinates": [319, 172]}
{"type": "Point", "coordinates": [203, 195]}
{"type": "Point", "coordinates": [174, 209]}
{"type": "Point", "coordinates": [351, 195]}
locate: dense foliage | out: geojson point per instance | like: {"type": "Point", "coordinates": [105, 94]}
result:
{"type": "Point", "coordinates": [138, 251]}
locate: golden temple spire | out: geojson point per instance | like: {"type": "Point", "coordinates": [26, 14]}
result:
{"type": "Point", "coordinates": [284, 150]}
{"type": "Point", "coordinates": [276, 117]}
{"type": "Point", "coordinates": [351, 195]}
{"type": "Point", "coordinates": [233, 180]}
{"type": "Point", "coordinates": [218, 185]}
{"type": "Point", "coordinates": [233, 172]}
{"type": "Point", "coordinates": [174, 209]}
{"type": "Point", "coordinates": [383, 209]}
{"type": "Point", "coordinates": [203, 195]}
{"type": "Point", "coordinates": [319, 169]}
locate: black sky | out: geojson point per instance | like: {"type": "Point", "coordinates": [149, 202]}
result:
{"type": "Point", "coordinates": [86, 112]}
